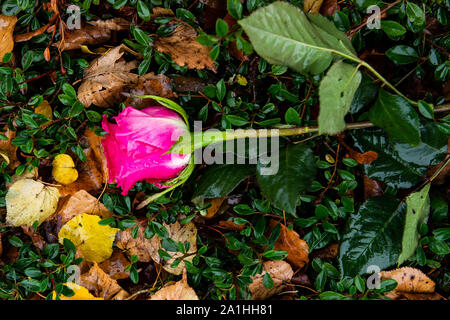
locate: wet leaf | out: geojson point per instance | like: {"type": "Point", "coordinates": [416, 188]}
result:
{"type": "Point", "coordinates": [312, 6]}
{"type": "Point", "coordinates": [381, 218]}
{"type": "Point", "coordinates": [115, 266]}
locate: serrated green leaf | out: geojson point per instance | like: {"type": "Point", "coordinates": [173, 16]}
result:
{"type": "Point", "coordinates": [336, 93]}
{"type": "Point", "coordinates": [417, 210]}
{"type": "Point", "coordinates": [282, 34]}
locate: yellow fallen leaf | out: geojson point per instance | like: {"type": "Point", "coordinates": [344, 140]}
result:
{"type": "Point", "coordinates": [6, 34]}
{"type": "Point", "coordinates": [64, 169]}
{"type": "Point", "coordinates": [94, 240]}
{"type": "Point", "coordinates": [45, 109]}
{"type": "Point", "coordinates": [28, 201]}
{"type": "Point", "coordinates": [81, 293]}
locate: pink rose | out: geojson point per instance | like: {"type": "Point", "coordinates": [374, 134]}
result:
{"type": "Point", "coordinates": [135, 146]}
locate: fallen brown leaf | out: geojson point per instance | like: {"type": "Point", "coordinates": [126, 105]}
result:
{"type": "Point", "coordinates": [106, 77]}
{"type": "Point", "coordinates": [184, 49]}
{"type": "Point", "coordinates": [329, 7]}
{"type": "Point", "coordinates": [312, 6]}
{"type": "Point", "coordinates": [149, 84]}
{"type": "Point", "coordinates": [329, 251]}
{"type": "Point", "coordinates": [215, 206]}
{"type": "Point", "coordinates": [142, 247]}
{"type": "Point", "coordinates": [281, 273]}
{"type": "Point", "coordinates": [101, 285]}
{"type": "Point", "coordinates": [78, 203]}
{"type": "Point", "coordinates": [36, 238]}
{"type": "Point", "coordinates": [115, 266]}
{"type": "Point", "coordinates": [7, 24]}
{"type": "Point", "coordinates": [92, 33]}
{"type": "Point", "coordinates": [372, 188]}
{"type": "Point", "coordinates": [290, 241]}
{"type": "Point", "coordinates": [409, 280]}
{"type": "Point", "coordinates": [363, 158]}
{"type": "Point", "coordinates": [161, 12]}
{"type": "Point", "coordinates": [178, 291]}
{"type": "Point", "coordinates": [230, 225]}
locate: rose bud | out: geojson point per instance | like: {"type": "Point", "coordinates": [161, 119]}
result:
{"type": "Point", "coordinates": [137, 147]}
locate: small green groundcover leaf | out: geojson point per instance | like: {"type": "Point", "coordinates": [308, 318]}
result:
{"type": "Point", "coordinates": [336, 93]}
{"type": "Point", "coordinates": [417, 210]}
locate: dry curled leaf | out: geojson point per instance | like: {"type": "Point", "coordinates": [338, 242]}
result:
{"type": "Point", "coordinates": [312, 6]}
{"type": "Point", "coordinates": [9, 150]}
{"type": "Point", "coordinates": [177, 291]}
{"type": "Point", "coordinates": [106, 77]}
{"type": "Point", "coordinates": [140, 246]}
{"type": "Point", "coordinates": [185, 49]}
{"type": "Point", "coordinates": [7, 24]}
{"type": "Point", "coordinates": [81, 202]}
{"type": "Point", "coordinates": [28, 201]}
{"type": "Point", "coordinates": [94, 240]}
{"type": "Point", "coordinates": [92, 33]}
{"type": "Point", "coordinates": [149, 84]}
{"type": "Point", "coordinates": [409, 280]}
{"type": "Point", "coordinates": [290, 241]}
{"type": "Point", "coordinates": [98, 282]}
{"type": "Point", "coordinates": [281, 273]}
{"type": "Point", "coordinates": [115, 266]}
{"type": "Point", "coordinates": [161, 12]}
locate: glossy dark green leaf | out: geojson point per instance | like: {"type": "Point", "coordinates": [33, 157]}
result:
{"type": "Point", "coordinates": [400, 165]}
{"type": "Point", "coordinates": [365, 94]}
{"type": "Point", "coordinates": [372, 236]}
{"type": "Point", "coordinates": [395, 115]}
{"type": "Point", "coordinates": [402, 54]}
{"type": "Point", "coordinates": [296, 171]}
{"type": "Point", "coordinates": [219, 180]}
{"type": "Point", "coordinates": [392, 28]}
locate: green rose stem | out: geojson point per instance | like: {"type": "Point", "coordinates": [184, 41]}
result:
{"type": "Point", "coordinates": [194, 142]}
